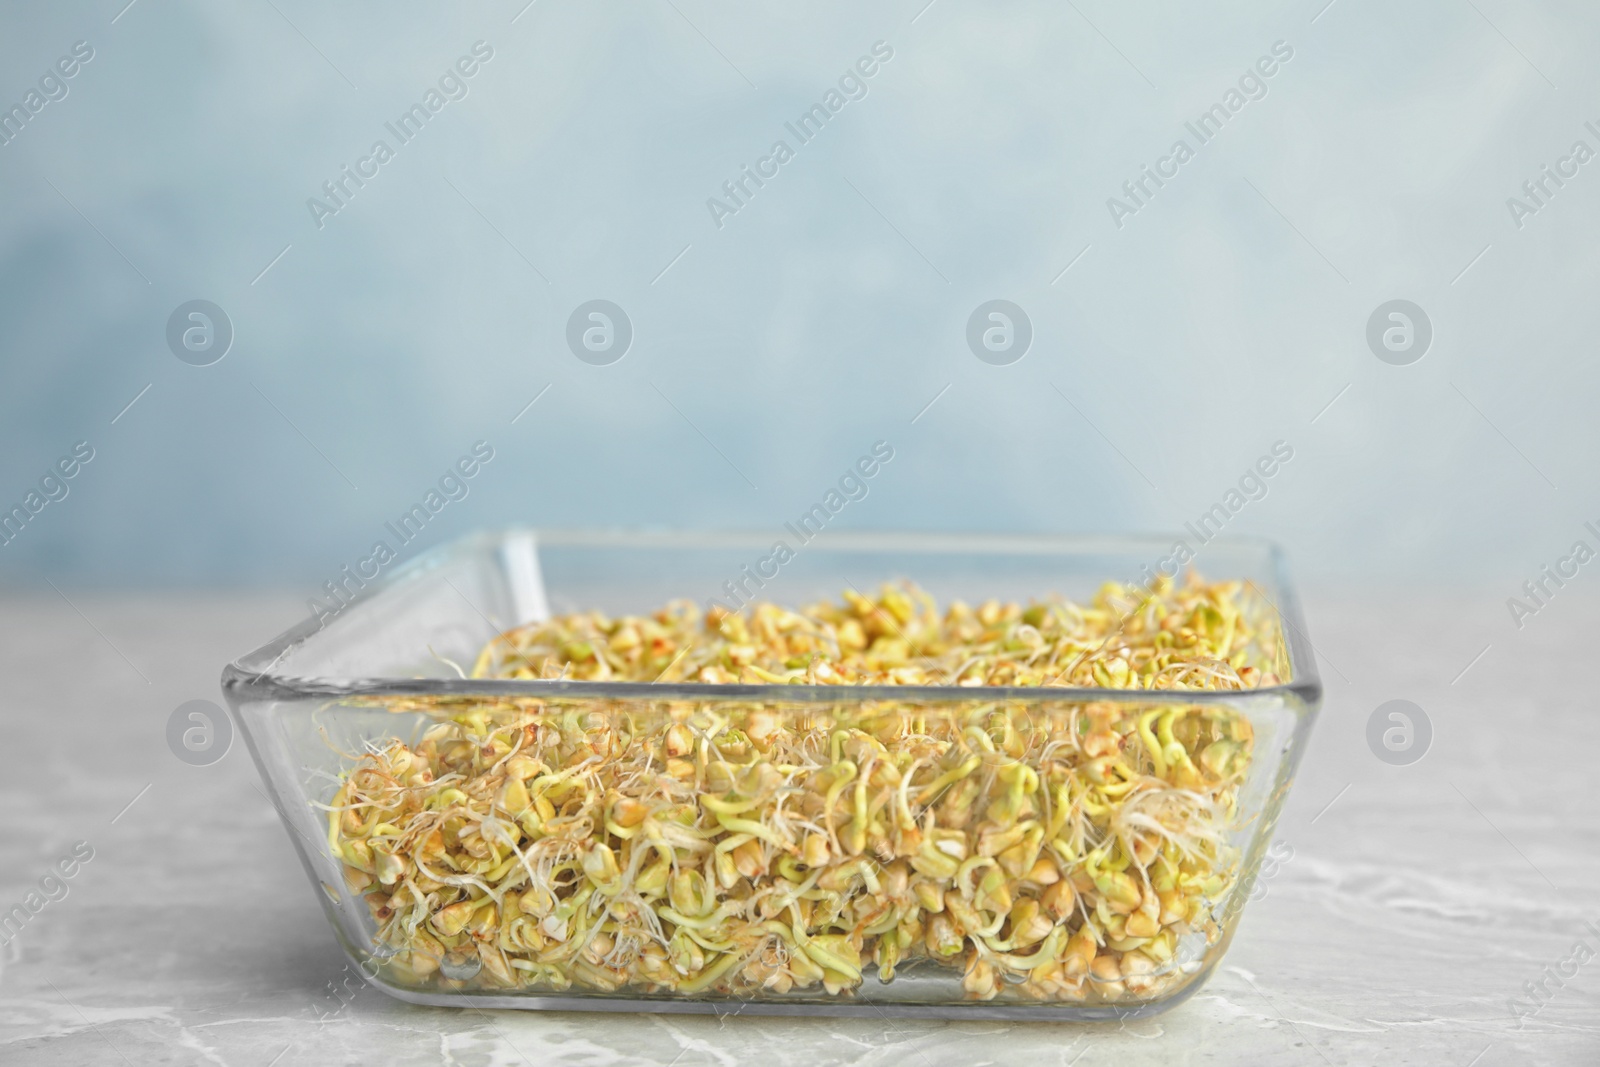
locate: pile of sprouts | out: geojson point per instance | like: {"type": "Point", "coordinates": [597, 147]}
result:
{"type": "Point", "coordinates": [1050, 850]}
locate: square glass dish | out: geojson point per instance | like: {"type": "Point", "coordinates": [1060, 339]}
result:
{"type": "Point", "coordinates": [1020, 851]}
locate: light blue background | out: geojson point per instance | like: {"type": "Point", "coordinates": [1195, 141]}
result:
{"type": "Point", "coordinates": [827, 313]}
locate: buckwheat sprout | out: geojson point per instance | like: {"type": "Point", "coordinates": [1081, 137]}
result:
{"type": "Point", "coordinates": [1051, 852]}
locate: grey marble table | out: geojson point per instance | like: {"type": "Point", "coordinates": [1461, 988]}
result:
{"type": "Point", "coordinates": [1418, 901]}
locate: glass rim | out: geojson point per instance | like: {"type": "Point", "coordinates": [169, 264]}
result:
{"type": "Point", "coordinates": [252, 676]}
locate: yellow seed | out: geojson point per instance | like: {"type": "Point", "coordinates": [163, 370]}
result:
{"type": "Point", "coordinates": [1105, 968]}
{"type": "Point", "coordinates": [929, 895]}
{"type": "Point", "coordinates": [389, 867]}
{"type": "Point", "coordinates": [687, 957]}
{"type": "Point", "coordinates": [1160, 948]}
{"type": "Point", "coordinates": [1172, 906]}
{"type": "Point", "coordinates": [358, 854]}
{"type": "Point", "coordinates": [851, 636]}
{"type": "Point", "coordinates": [679, 739]}
{"type": "Point", "coordinates": [762, 728]}
{"type": "Point", "coordinates": [1141, 924]}
{"type": "Point", "coordinates": [1080, 954]}
{"type": "Point", "coordinates": [425, 954]}
{"type": "Point", "coordinates": [727, 873]}
{"type": "Point", "coordinates": [747, 859]}
{"type": "Point", "coordinates": [600, 864]}
{"type": "Point", "coordinates": [1016, 860]}
{"type": "Point", "coordinates": [1044, 872]}
{"type": "Point", "coordinates": [815, 850]}
{"type": "Point", "coordinates": [1028, 924]}
{"type": "Point", "coordinates": [628, 812]}
{"type": "Point", "coordinates": [537, 902]}
{"type": "Point", "coordinates": [994, 891]}
{"type": "Point", "coordinates": [1134, 963]}
{"type": "Point", "coordinates": [1120, 890]}
{"type": "Point", "coordinates": [652, 879]}
{"type": "Point", "coordinates": [690, 894]}
{"type": "Point", "coordinates": [943, 938]}
{"type": "Point", "coordinates": [494, 961]}
{"type": "Point", "coordinates": [599, 948]}
{"type": "Point", "coordinates": [450, 920]}
{"type": "Point", "coordinates": [513, 797]}
{"type": "Point", "coordinates": [896, 879]}
{"type": "Point", "coordinates": [992, 841]}
{"type": "Point", "coordinates": [522, 767]}
{"type": "Point", "coordinates": [981, 980]}
{"type": "Point", "coordinates": [484, 922]}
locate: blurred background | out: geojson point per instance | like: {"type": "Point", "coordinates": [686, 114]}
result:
{"type": "Point", "coordinates": [377, 338]}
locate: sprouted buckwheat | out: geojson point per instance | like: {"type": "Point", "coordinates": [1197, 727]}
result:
{"type": "Point", "coordinates": [1052, 851]}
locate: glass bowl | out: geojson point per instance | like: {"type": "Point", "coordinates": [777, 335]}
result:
{"type": "Point", "coordinates": [987, 893]}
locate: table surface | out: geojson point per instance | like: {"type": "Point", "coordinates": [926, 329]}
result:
{"type": "Point", "coordinates": [1416, 905]}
